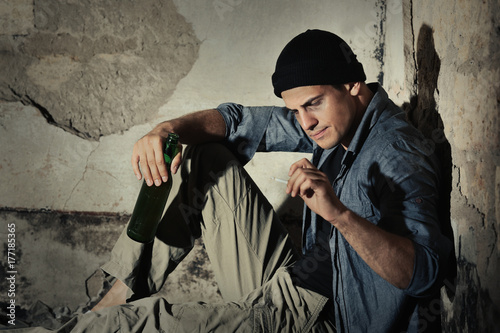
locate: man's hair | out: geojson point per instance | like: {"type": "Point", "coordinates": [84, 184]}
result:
{"type": "Point", "coordinates": [316, 57]}
{"type": "Point", "coordinates": [339, 87]}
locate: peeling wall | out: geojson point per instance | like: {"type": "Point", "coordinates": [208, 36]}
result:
{"type": "Point", "coordinates": [93, 67]}
{"type": "Point", "coordinates": [81, 81]}
{"type": "Point", "coordinates": [452, 65]}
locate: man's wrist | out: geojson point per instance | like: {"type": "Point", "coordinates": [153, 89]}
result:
{"type": "Point", "coordinates": [342, 217]}
{"type": "Point", "coordinates": [163, 129]}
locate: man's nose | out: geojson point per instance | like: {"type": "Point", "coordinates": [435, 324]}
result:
{"type": "Point", "coordinates": [307, 120]}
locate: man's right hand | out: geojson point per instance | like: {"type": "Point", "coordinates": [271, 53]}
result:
{"type": "Point", "coordinates": [194, 128]}
{"type": "Point", "coordinates": [148, 160]}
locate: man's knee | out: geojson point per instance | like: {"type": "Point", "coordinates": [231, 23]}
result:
{"type": "Point", "coordinates": [210, 159]}
{"type": "Point", "coordinates": [208, 152]}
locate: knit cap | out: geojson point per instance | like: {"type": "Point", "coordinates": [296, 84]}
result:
{"type": "Point", "coordinates": [316, 57]}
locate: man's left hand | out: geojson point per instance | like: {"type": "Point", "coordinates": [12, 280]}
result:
{"type": "Point", "coordinates": [315, 189]}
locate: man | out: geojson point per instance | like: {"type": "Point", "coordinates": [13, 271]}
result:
{"type": "Point", "coordinates": [373, 252]}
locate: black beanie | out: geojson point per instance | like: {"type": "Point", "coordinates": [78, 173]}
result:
{"type": "Point", "coordinates": [316, 57]}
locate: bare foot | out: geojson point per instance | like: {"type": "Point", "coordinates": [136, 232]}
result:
{"type": "Point", "coordinates": [115, 296]}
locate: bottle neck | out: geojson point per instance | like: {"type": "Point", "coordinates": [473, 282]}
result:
{"type": "Point", "coordinates": [170, 147]}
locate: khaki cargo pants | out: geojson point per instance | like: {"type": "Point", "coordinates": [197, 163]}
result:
{"type": "Point", "coordinates": [249, 250]}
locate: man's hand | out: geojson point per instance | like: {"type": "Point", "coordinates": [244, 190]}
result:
{"type": "Point", "coordinates": [148, 154]}
{"type": "Point", "coordinates": [315, 189]}
{"type": "Point", "coordinates": [194, 128]}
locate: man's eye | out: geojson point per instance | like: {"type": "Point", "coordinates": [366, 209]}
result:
{"type": "Point", "coordinates": [317, 102]}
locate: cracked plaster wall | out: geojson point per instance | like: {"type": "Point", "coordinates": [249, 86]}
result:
{"type": "Point", "coordinates": [93, 67]}
{"type": "Point", "coordinates": [452, 65]}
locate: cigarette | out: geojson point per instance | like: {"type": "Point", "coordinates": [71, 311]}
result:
{"type": "Point", "coordinates": [280, 180]}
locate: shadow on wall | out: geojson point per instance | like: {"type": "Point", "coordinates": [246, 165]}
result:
{"type": "Point", "coordinates": [422, 113]}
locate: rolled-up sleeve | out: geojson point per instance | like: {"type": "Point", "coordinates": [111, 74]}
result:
{"type": "Point", "coordinates": [409, 207]}
{"type": "Point", "coordinates": [263, 128]}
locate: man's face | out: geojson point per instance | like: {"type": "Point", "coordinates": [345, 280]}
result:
{"type": "Point", "coordinates": [325, 113]}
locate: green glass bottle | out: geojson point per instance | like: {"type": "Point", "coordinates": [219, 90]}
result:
{"type": "Point", "coordinates": [151, 201]}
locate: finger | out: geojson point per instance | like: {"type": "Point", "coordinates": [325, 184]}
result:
{"type": "Point", "coordinates": [143, 161]}
{"type": "Point", "coordinates": [307, 188]}
{"type": "Point", "coordinates": [159, 167]}
{"type": "Point", "coordinates": [294, 172]}
{"type": "Point", "coordinates": [304, 180]}
{"type": "Point", "coordinates": [156, 162]}
{"type": "Point", "coordinates": [316, 183]}
{"type": "Point", "coordinates": [302, 163]}
{"type": "Point", "coordinates": [304, 183]}
{"type": "Point", "coordinates": [296, 179]}
{"type": "Point", "coordinates": [176, 162]}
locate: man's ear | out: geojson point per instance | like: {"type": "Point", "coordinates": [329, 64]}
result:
{"type": "Point", "coordinates": [353, 87]}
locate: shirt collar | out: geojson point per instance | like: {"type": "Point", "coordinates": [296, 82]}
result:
{"type": "Point", "coordinates": [372, 114]}
{"type": "Point", "coordinates": [369, 119]}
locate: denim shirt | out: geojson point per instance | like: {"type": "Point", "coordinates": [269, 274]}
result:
{"type": "Point", "coordinates": [389, 176]}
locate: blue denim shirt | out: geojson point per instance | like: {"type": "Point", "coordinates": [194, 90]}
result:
{"type": "Point", "coordinates": [389, 176]}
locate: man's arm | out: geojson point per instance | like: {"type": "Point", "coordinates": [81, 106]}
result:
{"type": "Point", "coordinates": [194, 128]}
{"type": "Point", "coordinates": [391, 256]}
